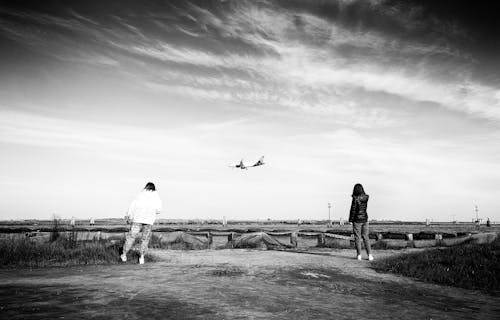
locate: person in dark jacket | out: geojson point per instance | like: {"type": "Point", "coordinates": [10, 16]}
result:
{"type": "Point", "coordinates": [358, 216]}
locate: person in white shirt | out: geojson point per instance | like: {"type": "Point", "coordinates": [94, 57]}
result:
{"type": "Point", "coordinates": [142, 214]}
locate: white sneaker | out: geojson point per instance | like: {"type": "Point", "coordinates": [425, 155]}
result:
{"type": "Point", "coordinates": [141, 260]}
{"type": "Point", "coordinates": [123, 257]}
{"type": "Point", "coordinates": [359, 257]}
{"type": "Point", "coordinates": [370, 257]}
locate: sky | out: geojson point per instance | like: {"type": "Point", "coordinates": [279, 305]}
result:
{"type": "Point", "coordinates": [99, 97]}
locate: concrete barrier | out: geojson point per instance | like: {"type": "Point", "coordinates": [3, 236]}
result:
{"type": "Point", "coordinates": [337, 243]}
{"type": "Point", "coordinates": [424, 243]}
{"type": "Point", "coordinates": [390, 244]}
{"type": "Point", "coordinates": [449, 242]}
{"type": "Point", "coordinates": [481, 238]}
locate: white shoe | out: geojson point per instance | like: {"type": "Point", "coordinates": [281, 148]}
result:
{"type": "Point", "coordinates": [359, 257]}
{"type": "Point", "coordinates": [141, 260]}
{"type": "Point", "coordinates": [370, 257]}
{"type": "Point", "coordinates": [123, 257]}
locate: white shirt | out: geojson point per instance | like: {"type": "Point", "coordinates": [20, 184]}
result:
{"type": "Point", "coordinates": [145, 207]}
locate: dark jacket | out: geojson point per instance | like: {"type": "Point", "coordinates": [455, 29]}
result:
{"type": "Point", "coordinates": [358, 209]}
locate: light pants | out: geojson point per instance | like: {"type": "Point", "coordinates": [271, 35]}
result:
{"type": "Point", "coordinates": [132, 234]}
{"type": "Point", "coordinates": [360, 230]}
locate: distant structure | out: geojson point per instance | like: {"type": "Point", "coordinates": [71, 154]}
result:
{"type": "Point", "coordinates": [224, 221]}
{"type": "Point", "coordinates": [478, 222]}
{"type": "Point", "coordinates": [92, 221]}
{"type": "Point", "coordinates": [488, 223]}
{"type": "Point", "coordinates": [329, 216]}
{"type": "Point", "coordinates": [427, 222]}
{"type": "Point", "coordinates": [72, 222]}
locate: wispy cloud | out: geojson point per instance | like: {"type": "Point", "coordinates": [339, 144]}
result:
{"type": "Point", "coordinates": [303, 58]}
{"type": "Point", "coordinates": [297, 66]}
{"type": "Point", "coordinates": [125, 142]}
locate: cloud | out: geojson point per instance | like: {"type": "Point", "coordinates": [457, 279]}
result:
{"type": "Point", "coordinates": [297, 66]}
{"type": "Point", "coordinates": [263, 54]}
{"type": "Point", "coordinates": [124, 142]}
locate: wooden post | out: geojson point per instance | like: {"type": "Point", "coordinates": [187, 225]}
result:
{"type": "Point", "coordinates": [210, 240]}
{"type": "Point", "coordinates": [230, 239]}
{"type": "Point", "coordinates": [321, 240]}
{"type": "Point", "coordinates": [293, 239]}
{"type": "Point", "coordinates": [409, 236]}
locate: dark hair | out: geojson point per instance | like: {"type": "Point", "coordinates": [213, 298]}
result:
{"type": "Point", "coordinates": [358, 190]}
{"type": "Point", "coordinates": [150, 186]}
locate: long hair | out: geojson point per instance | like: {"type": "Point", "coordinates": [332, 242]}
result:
{"type": "Point", "coordinates": [150, 186]}
{"type": "Point", "coordinates": [358, 190]}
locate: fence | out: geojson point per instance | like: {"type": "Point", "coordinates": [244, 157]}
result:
{"type": "Point", "coordinates": [292, 238]}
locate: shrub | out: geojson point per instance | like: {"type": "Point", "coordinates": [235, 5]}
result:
{"type": "Point", "coordinates": [472, 266]}
{"type": "Point", "coordinates": [62, 252]}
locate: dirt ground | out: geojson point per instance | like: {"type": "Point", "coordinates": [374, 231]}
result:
{"type": "Point", "coordinates": [235, 284]}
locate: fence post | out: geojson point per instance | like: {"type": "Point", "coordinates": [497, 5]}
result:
{"type": "Point", "coordinates": [321, 240]}
{"type": "Point", "coordinates": [293, 239]}
{"type": "Point", "coordinates": [210, 240]}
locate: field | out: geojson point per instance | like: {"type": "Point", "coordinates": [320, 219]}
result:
{"type": "Point", "coordinates": [249, 226]}
{"type": "Point", "coordinates": [235, 284]}
{"type": "Point", "coordinates": [300, 283]}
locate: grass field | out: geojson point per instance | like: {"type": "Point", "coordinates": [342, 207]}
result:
{"type": "Point", "coordinates": [470, 266]}
{"type": "Point", "coordinates": [24, 253]}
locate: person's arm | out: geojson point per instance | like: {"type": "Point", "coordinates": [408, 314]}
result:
{"type": "Point", "coordinates": [352, 211]}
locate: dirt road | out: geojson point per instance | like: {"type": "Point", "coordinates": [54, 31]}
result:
{"type": "Point", "coordinates": [235, 284]}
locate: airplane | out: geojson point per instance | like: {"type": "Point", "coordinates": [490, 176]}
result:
{"type": "Point", "coordinates": [242, 166]}
{"type": "Point", "coordinates": [260, 162]}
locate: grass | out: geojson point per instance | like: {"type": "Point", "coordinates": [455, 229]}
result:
{"type": "Point", "coordinates": [26, 253]}
{"type": "Point", "coordinates": [63, 249]}
{"type": "Point", "coordinates": [472, 266]}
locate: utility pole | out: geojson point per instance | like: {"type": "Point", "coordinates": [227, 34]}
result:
{"type": "Point", "coordinates": [329, 214]}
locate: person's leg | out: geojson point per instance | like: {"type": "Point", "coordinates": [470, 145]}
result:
{"type": "Point", "coordinates": [129, 239]}
{"type": "Point", "coordinates": [146, 235]}
{"type": "Point", "coordinates": [356, 229]}
{"type": "Point", "coordinates": [366, 238]}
